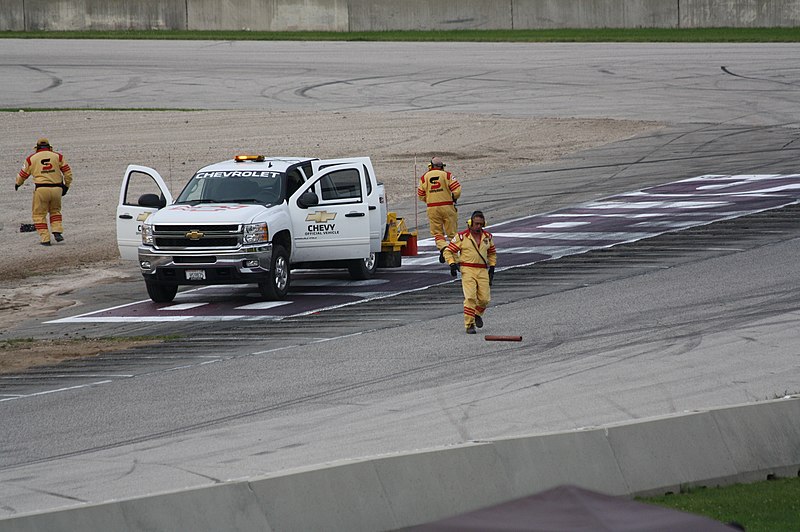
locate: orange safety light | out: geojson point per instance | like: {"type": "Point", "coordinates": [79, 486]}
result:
{"type": "Point", "coordinates": [242, 158]}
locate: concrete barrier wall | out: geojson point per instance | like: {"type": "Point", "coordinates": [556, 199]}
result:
{"type": "Point", "coordinates": [275, 15]}
{"type": "Point", "coordinates": [739, 13]}
{"type": "Point", "coordinates": [63, 15]}
{"type": "Point", "coordinates": [12, 15]}
{"type": "Point", "coordinates": [383, 15]}
{"type": "Point", "coordinates": [715, 447]}
{"type": "Point", "coordinates": [548, 14]}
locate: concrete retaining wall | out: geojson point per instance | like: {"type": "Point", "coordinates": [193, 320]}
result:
{"type": "Point", "coordinates": [381, 15]}
{"type": "Point", "coordinates": [739, 13]}
{"type": "Point", "coordinates": [62, 15]}
{"type": "Point", "coordinates": [274, 15]}
{"type": "Point", "coordinates": [736, 444]}
{"type": "Point", "coordinates": [550, 14]}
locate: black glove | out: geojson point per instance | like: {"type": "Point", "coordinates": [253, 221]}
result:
{"type": "Point", "coordinates": [491, 275]}
{"type": "Point", "coordinates": [64, 189]}
{"type": "Point", "coordinates": [453, 269]}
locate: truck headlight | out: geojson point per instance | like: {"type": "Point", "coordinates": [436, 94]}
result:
{"type": "Point", "coordinates": [147, 234]}
{"type": "Point", "coordinates": [256, 233]}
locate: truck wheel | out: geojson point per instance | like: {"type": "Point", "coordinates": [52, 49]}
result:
{"type": "Point", "coordinates": [161, 292]}
{"type": "Point", "coordinates": [361, 269]}
{"type": "Point", "coordinates": [278, 284]}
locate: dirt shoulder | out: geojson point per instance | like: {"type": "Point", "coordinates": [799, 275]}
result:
{"type": "Point", "coordinates": [37, 280]}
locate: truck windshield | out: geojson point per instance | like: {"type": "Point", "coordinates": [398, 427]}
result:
{"type": "Point", "coordinates": [234, 187]}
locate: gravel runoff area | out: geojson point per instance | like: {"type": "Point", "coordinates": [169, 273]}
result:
{"type": "Point", "coordinates": [37, 281]}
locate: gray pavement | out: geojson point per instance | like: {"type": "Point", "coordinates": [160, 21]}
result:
{"type": "Point", "coordinates": [713, 330]}
{"type": "Point", "coordinates": [753, 84]}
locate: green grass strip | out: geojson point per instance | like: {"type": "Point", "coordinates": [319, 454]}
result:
{"type": "Point", "coordinates": [765, 506]}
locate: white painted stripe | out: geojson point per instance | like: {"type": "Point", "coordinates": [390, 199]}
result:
{"type": "Point", "coordinates": [263, 305]}
{"type": "Point", "coordinates": [57, 390]}
{"type": "Point", "coordinates": [599, 235]}
{"type": "Point", "coordinates": [337, 282]}
{"type": "Point", "coordinates": [626, 205]}
{"type": "Point", "coordinates": [528, 251]}
{"type": "Point", "coordinates": [116, 319]}
{"type": "Point", "coordinates": [562, 225]}
{"type": "Point", "coordinates": [665, 224]}
{"type": "Point", "coordinates": [561, 251]}
{"type": "Point", "coordinates": [74, 375]}
{"type": "Point", "coordinates": [183, 306]}
{"type": "Point", "coordinates": [422, 260]}
{"type": "Point", "coordinates": [672, 215]}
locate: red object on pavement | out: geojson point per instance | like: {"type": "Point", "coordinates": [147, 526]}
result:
{"type": "Point", "coordinates": [495, 338]}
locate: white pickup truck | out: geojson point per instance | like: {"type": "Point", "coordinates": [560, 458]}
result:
{"type": "Point", "coordinates": [252, 219]}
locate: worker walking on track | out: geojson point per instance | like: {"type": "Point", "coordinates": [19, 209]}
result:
{"type": "Point", "coordinates": [473, 252]}
{"type": "Point", "coordinates": [52, 177]}
{"type": "Point", "coordinates": [440, 191]}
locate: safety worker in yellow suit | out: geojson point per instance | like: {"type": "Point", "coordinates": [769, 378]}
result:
{"type": "Point", "coordinates": [473, 252]}
{"type": "Point", "coordinates": [440, 191]}
{"type": "Point", "coordinates": [52, 178]}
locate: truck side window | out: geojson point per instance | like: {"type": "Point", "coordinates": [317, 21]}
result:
{"type": "Point", "coordinates": [140, 183]}
{"type": "Point", "coordinates": [293, 182]}
{"type": "Point", "coordinates": [369, 180]}
{"type": "Point", "coordinates": [341, 184]}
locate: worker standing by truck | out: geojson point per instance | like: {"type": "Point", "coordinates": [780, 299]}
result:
{"type": "Point", "coordinates": [440, 191]}
{"type": "Point", "coordinates": [473, 252]}
{"type": "Point", "coordinates": [52, 177]}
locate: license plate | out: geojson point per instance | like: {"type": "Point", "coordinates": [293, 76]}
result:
{"type": "Point", "coordinates": [195, 275]}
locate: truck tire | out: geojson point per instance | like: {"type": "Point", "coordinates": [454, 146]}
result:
{"type": "Point", "coordinates": [161, 292]}
{"type": "Point", "coordinates": [361, 269]}
{"type": "Point", "coordinates": [279, 276]}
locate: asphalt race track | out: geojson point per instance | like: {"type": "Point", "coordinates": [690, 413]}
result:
{"type": "Point", "coordinates": [632, 301]}
{"type": "Point", "coordinates": [575, 230]}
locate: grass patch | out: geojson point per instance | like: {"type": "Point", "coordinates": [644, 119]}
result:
{"type": "Point", "coordinates": [25, 354]}
{"type": "Point", "coordinates": [549, 35]}
{"type": "Point", "coordinates": [765, 506]}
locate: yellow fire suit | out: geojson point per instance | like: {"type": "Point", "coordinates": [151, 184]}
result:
{"type": "Point", "coordinates": [51, 173]}
{"type": "Point", "coordinates": [474, 256]}
{"type": "Point", "coordinates": [440, 190]}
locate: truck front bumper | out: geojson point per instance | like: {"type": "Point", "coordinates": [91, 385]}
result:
{"type": "Point", "coordinates": [249, 264]}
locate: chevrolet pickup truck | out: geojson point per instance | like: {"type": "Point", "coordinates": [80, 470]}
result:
{"type": "Point", "coordinates": [253, 219]}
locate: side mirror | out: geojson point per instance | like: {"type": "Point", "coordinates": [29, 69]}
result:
{"type": "Point", "coordinates": [307, 199]}
{"type": "Point", "coordinates": [152, 200]}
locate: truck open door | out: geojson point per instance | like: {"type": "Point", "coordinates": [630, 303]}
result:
{"type": "Point", "coordinates": [143, 192]}
{"type": "Point", "coordinates": [374, 195]}
{"type": "Point", "coordinates": [330, 215]}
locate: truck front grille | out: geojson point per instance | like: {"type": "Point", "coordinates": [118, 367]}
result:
{"type": "Point", "coordinates": [206, 242]}
{"type": "Point", "coordinates": [169, 237]}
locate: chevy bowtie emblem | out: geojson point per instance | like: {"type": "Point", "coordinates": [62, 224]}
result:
{"type": "Point", "coordinates": [320, 216]}
{"type": "Point", "coordinates": [194, 234]}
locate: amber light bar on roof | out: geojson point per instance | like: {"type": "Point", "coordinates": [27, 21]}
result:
{"type": "Point", "coordinates": [242, 158]}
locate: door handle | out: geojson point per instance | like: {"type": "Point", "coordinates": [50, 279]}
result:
{"type": "Point", "coordinates": [372, 207]}
{"type": "Point", "coordinates": [354, 214]}
{"type": "Point", "coordinates": [126, 217]}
